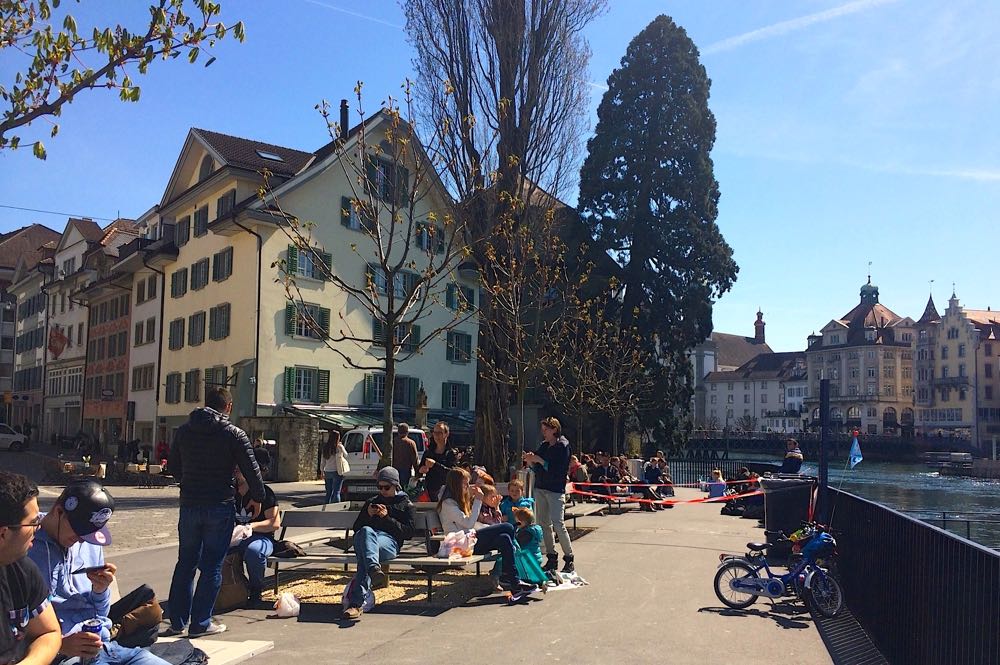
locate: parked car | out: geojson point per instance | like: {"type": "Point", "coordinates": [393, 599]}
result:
{"type": "Point", "coordinates": [11, 440]}
{"type": "Point", "coordinates": [364, 449]}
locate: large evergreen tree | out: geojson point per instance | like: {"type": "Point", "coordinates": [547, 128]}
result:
{"type": "Point", "coordinates": [648, 191]}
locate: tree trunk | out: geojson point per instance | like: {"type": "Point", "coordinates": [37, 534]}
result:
{"type": "Point", "coordinates": [390, 384]}
{"type": "Point", "coordinates": [492, 426]}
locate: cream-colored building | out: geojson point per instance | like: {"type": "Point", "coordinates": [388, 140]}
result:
{"type": "Point", "coordinates": [958, 374]}
{"type": "Point", "coordinates": [28, 288]}
{"type": "Point", "coordinates": [146, 284]}
{"type": "Point", "coordinates": [867, 356]}
{"type": "Point", "coordinates": [747, 397]}
{"type": "Point", "coordinates": [227, 318]}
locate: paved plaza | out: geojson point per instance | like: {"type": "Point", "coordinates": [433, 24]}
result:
{"type": "Point", "coordinates": [650, 598]}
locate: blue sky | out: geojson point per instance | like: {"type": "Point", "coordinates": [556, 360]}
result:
{"type": "Point", "coordinates": [848, 132]}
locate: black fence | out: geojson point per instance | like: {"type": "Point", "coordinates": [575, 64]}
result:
{"type": "Point", "coordinates": [922, 594]}
{"type": "Point", "coordinates": [687, 471]}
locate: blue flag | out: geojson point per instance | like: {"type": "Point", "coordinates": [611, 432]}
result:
{"type": "Point", "coordinates": [855, 456]}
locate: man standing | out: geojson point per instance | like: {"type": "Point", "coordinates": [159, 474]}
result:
{"type": "Point", "coordinates": [206, 449]}
{"type": "Point", "coordinates": [383, 523]}
{"type": "Point", "coordinates": [68, 551]}
{"type": "Point", "coordinates": [793, 457]}
{"type": "Point", "coordinates": [404, 454]}
{"type": "Point", "coordinates": [31, 636]}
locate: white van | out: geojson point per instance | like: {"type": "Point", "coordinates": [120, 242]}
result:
{"type": "Point", "coordinates": [364, 449]}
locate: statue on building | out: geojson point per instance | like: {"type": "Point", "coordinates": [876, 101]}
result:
{"type": "Point", "coordinates": [421, 410]}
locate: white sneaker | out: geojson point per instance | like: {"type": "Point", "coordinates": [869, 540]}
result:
{"type": "Point", "coordinates": [213, 629]}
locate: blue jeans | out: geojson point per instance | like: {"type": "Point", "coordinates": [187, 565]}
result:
{"type": "Point", "coordinates": [112, 653]}
{"type": "Point", "coordinates": [372, 548]}
{"type": "Point", "coordinates": [204, 533]}
{"type": "Point", "coordinates": [334, 481]}
{"type": "Point", "coordinates": [255, 551]}
{"type": "Point", "coordinates": [499, 537]}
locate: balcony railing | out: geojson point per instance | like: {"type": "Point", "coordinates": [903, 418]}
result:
{"type": "Point", "coordinates": [951, 381]}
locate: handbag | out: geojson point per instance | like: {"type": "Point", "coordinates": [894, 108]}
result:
{"type": "Point", "coordinates": [135, 618]}
{"type": "Point", "coordinates": [343, 467]}
{"type": "Point", "coordinates": [286, 549]}
{"type": "Point", "coordinates": [235, 589]}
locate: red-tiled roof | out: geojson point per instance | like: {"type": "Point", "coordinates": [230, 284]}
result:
{"type": "Point", "coordinates": [245, 153]}
{"type": "Point", "coordinates": [29, 242]}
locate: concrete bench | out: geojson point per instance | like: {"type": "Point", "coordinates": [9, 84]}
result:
{"type": "Point", "coordinates": [320, 556]}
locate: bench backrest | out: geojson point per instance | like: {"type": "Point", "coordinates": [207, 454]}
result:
{"type": "Point", "coordinates": [427, 520]}
{"type": "Point", "coordinates": [330, 519]}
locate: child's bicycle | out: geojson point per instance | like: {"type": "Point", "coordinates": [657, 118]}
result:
{"type": "Point", "coordinates": [740, 580]}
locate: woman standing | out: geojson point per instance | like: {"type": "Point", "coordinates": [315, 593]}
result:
{"type": "Point", "coordinates": [335, 467]}
{"type": "Point", "coordinates": [459, 509]}
{"type": "Point", "coordinates": [551, 465]}
{"type": "Point", "coordinates": [438, 460]}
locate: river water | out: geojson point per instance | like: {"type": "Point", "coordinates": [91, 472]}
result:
{"type": "Point", "coordinates": [923, 493]}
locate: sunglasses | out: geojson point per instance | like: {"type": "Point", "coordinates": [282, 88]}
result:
{"type": "Point", "coordinates": [384, 487]}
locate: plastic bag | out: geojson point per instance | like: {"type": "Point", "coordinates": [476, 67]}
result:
{"type": "Point", "coordinates": [240, 533]}
{"type": "Point", "coordinates": [287, 605]}
{"type": "Point", "coordinates": [366, 605]}
{"type": "Point", "coordinates": [457, 545]}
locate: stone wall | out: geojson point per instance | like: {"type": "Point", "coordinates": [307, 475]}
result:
{"type": "Point", "coordinates": [298, 445]}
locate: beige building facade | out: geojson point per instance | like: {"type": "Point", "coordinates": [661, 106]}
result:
{"type": "Point", "coordinates": [958, 374]}
{"type": "Point", "coordinates": [867, 355]}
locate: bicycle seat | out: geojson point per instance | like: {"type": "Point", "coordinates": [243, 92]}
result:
{"type": "Point", "coordinates": [757, 547]}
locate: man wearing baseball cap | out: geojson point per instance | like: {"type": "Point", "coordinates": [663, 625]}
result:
{"type": "Point", "coordinates": [68, 551]}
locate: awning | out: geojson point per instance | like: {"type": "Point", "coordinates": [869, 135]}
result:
{"type": "Point", "coordinates": [461, 422]}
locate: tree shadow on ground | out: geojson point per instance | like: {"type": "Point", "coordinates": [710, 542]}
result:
{"type": "Point", "coordinates": [786, 614]}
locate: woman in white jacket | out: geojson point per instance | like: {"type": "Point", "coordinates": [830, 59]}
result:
{"type": "Point", "coordinates": [458, 509]}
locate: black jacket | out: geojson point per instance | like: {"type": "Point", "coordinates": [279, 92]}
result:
{"type": "Point", "coordinates": [398, 523]}
{"type": "Point", "coordinates": [552, 473]}
{"type": "Point", "coordinates": [205, 451]}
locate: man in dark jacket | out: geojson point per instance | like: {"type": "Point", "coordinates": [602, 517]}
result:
{"type": "Point", "coordinates": [793, 457]}
{"type": "Point", "coordinates": [385, 521]}
{"type": "Point", "coordinates": [205, 451]}
{"type": "Point", "coordinates": [550, 465]}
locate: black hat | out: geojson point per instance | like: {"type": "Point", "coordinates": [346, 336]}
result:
{"type": "Point", "coordinates": [88, 507]}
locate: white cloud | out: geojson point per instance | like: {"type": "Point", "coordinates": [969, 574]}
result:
{"type": "Point", "coordinates": [793, 25]}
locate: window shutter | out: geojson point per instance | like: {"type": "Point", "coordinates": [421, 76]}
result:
{"type": "Point", "coordinates": [467, 339]}
{"type": "Point", "coordinates": [369, 389]}
{"type": "Point", "coordinates": [324, 321]}
{"type": "Point", "coordinates": [371, 176]}
{"type": "Point", "coordinates": [451, 299]}
{"type": "Point", "coordinates": [224, 319]}
{"type": "Point", "coordinates": [444, 394]}
{"type": "Point", "coordinates": [289, 319]}
{"type": "Point", "coordinates": [402, 185]}
{"type": "Point", "coordinates": [470, 296]}
{"type": "Point", "coordinates": [324, 386]}
{"type": "Point", "coordinates": [450, 347]}
{"type": "Point", "coordinates": [378, 332]}
{"type": "Point", "coordinates": [345, 211]}
{"type": "Point", "coordinates": [414, 341]}
{"type": "Point", "coordinates": [439, 243]}
{"type": "Point", "coordinates": [289, 383]}
{"type": "Point", "coordinates": [327, 259]}
{"type": "Point", "coordinates": [292, 265]}
{"type": "Point", "coordinates": [463, 396]}
{"type": "Point", "coordinates": [411, 393]}
{"type": "Point", "coordinates": [213, 325]}
{"type": "Point", "coordinates": [216, 266]}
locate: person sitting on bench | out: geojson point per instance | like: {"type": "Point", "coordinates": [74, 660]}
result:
{"type": "Point", "coordinates": [68, 551]}
{"type": "Point", "coordinates": [254, 532]}
{"type": "Point", "coordinates": [459, 508]}
{"type": "Point", "coordinates": [384, 522]}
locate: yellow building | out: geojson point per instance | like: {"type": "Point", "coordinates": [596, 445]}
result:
{"type": "Point", "coordinates": [958, 374]}
{"type": "Point", "coordinates": [866, 354]}
{"type": "Point", "coordinates": [227, 318]}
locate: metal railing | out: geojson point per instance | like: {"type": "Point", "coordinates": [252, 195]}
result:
{"type": "Point", "coordinates": [924, 595]}
{"type": "Point", "coordinates": [987, 524]}
{"type": "Point", "coordinates": [688, 471]}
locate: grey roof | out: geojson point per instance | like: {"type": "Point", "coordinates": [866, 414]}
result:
{"type": "Point", "coordinates": [28, 242]}
{"type": "Point", "coordinates": [735, 350]}
{"type": "Point", "coordinates": [783, 366]}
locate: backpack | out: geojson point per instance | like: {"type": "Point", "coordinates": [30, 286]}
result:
{"type": "Point", "coordinates": [235, 589]}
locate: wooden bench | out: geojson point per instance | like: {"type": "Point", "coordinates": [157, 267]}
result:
{"type": "Point", "coordinates": [320, 556]}
{"type": "Point", "coordinates": [577, 510]}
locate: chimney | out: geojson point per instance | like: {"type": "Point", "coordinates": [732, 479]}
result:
{"type": "Point", "coordinates": [344, 119]}
{"type": "Point", "coordinates": [758, 328]}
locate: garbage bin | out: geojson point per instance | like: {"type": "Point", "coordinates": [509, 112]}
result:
{"type": "Point", "coordinates": [787, 500]}
{"type": "Point", "coordinates": [528, 478]}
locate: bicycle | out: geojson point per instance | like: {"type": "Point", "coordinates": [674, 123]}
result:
{"type": "Point", "coordinates": [739, 581]}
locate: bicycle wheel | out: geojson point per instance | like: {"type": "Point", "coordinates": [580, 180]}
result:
{"type": "Point", "coordinates": [825, 595]}
{"type": "Point", "coordinates": [729, 572]}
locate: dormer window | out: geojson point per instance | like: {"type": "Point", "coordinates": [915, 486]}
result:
{"type": "Point", "coordinates": [206, 168]}
{"type": "Point", "coordinates": [264, 154]}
